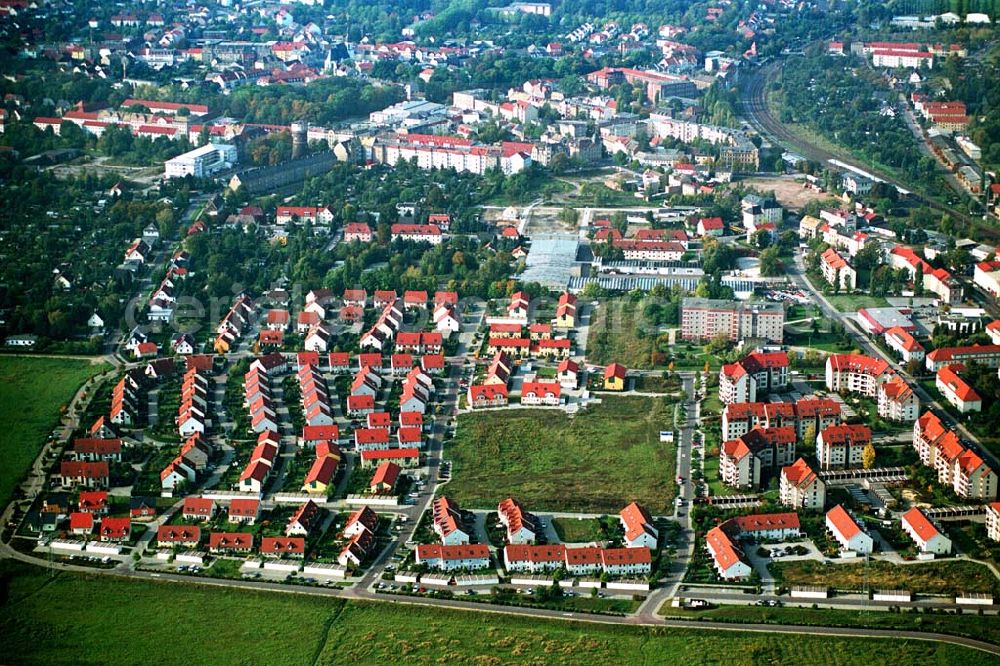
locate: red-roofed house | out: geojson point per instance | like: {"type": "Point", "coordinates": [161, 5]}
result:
{"type": "Point", "coordinates": [904, 344]}
{"type": "Point", "coordinates": [244, 511]}
{"type": "Point", "coordinates": [81, 523]}
{"type": "Point", "coordinates": [841, 445]}
{"type": "Point", "coordinates": [855, 373]}
{"type": "Point", "coordinates": [452, 557]}
{"type": "Point", "coordinates": [956, 390]}
{"type": "Point", "coordinates": [847, 531]}
{"type": "Point", "coordinates": [800, 487]}
{"type": "Point", "coordinates": [198, 508]}
{"type": "Point", "coordinates": [638, 525]}
{"type": "Point", "coordinates": [283, 547]}
{"type": "Point", "coordinates": [923, 532]}
{"type": "Point", "coordinates": [115, 530]}
{"type": "Point", "coordinates": [385, 477]}
{"type": "Point", "coordinates": [230, 542]}
{"type": "Point", "coordinates": [171, 536]}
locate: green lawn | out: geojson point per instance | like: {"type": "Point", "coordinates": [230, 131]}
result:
{"type": "Point", "coordinates": [618, 334]}
{"type": "Point", "coordinates": [32, 391]}
{"type": "Point", "coordinates": [597, 461]}
{"type": "Point", "coordinates": [853, 302]}
{"type": "Point", "coordinates": [82, 620]}
{"type": "Point", "coordinates": [578, 530]}
{"type": "Point", "coordinates": [947, 577]}
{"type": "Point", "coordinates": [986, 628]}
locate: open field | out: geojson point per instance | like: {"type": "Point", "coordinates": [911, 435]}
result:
{"type": "Point", "coordinates": [619, 334]}
{"type": "Point", "coordinates": [788, 192]}
{"type": "Point", "coordinates": [578, 530]}
{"type": "Point", "coordinates": [853, 302]}
{"type": "Point", "coordinates": [84, 620]}
{"type": "Point", "coordinates": [927, 577]}
{"type": "Point", "coordinates": [984, 628]}
{"type": "Point", "coordinates": [32, 391]}
{"type": "Point", "coordinates": [597, 461]}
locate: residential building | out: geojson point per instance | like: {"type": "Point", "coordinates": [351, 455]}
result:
{"type": "Point", "coordinates": [993, 521]}
{"type": "Point", "coordinates": [855, 373]}
{"type": "Point", "coordinates": [924, 533]}
{"type": "Point", "coordinates": [739, 418]}
{"type": "Point", "coordinates": [452, 557]}
{"type": "Point", "coordinates": [743, 461]}
{"type": "Point", "coordinates": [837, 271]}
{"type": "Point", "coordinates": [638, 525]}
{"type": "Point", "coordinates": [897, 401]}
{"type": "Point", "coordinates": [841, 445]}
{"type": "Point", "coordinates": [904, 344]}
{"type": "Point", "coordinates": [956, 390]}
{"type": "Point", "coordinates": [757, 374]}
{"type": "Point", "coordinates": [522, 527]}
{"type": "Point", "coordinates": [702, 319]}
{"type": "Point", "coordinates": [848, 533]}
{"type": "Point", "coordinates": [988, 355]}
{"type": "Point", "coordinates": [614, 377]}
{"type": "Point", "coordinates": [800, 487]}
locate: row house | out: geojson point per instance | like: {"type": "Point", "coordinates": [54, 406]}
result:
{"type": "Point", "coordinates": [448, 522]}
{"type": "Point", "coordinates": [855, 373]}
{"type": "Point", "coordinates": [446, 318]}
{"type": "Point", "coordinates": [758, 373]}
{"type": "Point", "coordinates": [234, 324]}
{"type": "Point", "coordinates": [521, 527]}
{"type": "Point", "coordinates": [125, 398]}
{"type": "Point", "coordinates": [385, 327]}
{"type": "Point", "coordinates": [743, 461]}
{"type": "Point", "coordinates": [925, 533]}
{"type": "Point", "coordinates": [323, 471]}
{"type": "Point", "coordinates": [935, 280]}
{"type": "Point", "coordinates": [304, 214]}
{"type": "Point", "coordinates": [178, 536]}
{"type": "Point", "coordinates": [517, 309]}
{"type": "Point", "coordinates": [453, 557]}
{"type": "Point", "coordinates": [317, 408]}
{"type": "Point", "coordinates": [419, 343]}
{"type": "Point", "coordinates": [848, 532]}
{"type": "Point", "coordinates": [956, 390]}
{"type": "Point", "coordinates": [193, 409]}
{"type": "Point", "coordinates": [541, 393]}
{"type": "Point", "coordinates": [740, 417]}
{"type": "Point", "coordinates": [84, 474]}
{"type": "Point", "coordinates": [487, 395]}
{"type": "Point", "coordinates": [92, 449]}
{"type": "Point", "coordinates": [578, 561]}
{"type": "Point", "coordinates": [417, 233]}
{"type": "Point", "coordinates": [842, 445]}
{"type": "Point", "coordinates": [404, 456]}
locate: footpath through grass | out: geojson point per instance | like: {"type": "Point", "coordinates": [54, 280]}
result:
{"type": "Point", "coordinates": [32, 392]}
{"type": "Point", "coordinates": [83, 620]}
{"type": "Point", "coordinates": [596, 461]}
{"type": "Point", "coordinates": [969, 624]}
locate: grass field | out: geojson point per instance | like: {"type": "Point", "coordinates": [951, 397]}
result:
{"type": "Point", "coordinates": [32, 391]}
{"type": "Point", "coordinates": [597, 461]}
{"type": "Point", "coordinates": [927, 577]}
{"type": "Point", "coordinates": [986, 628]}
{"type": "Point", "coordinates": [99, 620]}
{"type": "Point", "coordinates": [578, 530]}
{"type": "Point", "coordinates": [617, 337]}
{"type": "Point", "coordinates": [853, 302]}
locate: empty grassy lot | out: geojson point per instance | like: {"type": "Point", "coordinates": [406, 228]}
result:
{"type": "Point", "coordinates": [969, 624]}
{"type": "Point", "coordinates": [596, 461]}
{"type": "Point", "coordinates": [32, 392]}
{"type": "Point", "coordinates": [82, 620]}
{"type": "Point", "coordinates": [948, 577]}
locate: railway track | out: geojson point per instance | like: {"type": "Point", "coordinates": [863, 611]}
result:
{"type": "Point", "coordinates": [754, 108]}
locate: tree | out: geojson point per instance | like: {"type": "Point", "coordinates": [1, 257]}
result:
{"type": "Point", "coordinates": [809, 437]}
{"type": "Point", "coordinates": [868, 456]}
{"type": "Point", "coordinates": [770, 262]}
